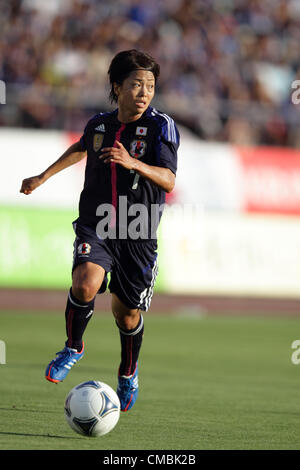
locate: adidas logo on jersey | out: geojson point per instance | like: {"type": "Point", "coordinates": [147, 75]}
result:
{"type": "Point", "coordinates": [100, 128]}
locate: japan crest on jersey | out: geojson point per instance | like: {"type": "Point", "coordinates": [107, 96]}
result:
{"type": "Point", "coordinates": [138, 148]}
{"type": "Point", "coordinates": [84, 249]}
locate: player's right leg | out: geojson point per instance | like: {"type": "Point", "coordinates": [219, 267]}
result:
{"type": "Point", "coordinates": [86, 282]}
{"type": "Point", "coordinates": [131, 328]}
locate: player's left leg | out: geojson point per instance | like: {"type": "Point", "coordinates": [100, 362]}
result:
{"type": "Point", "coordinates": [131, 327]}
{"type": "Point", "coordinates": [131, 285]}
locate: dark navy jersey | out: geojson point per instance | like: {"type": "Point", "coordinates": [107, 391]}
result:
{"type": "Point", "coordinates": [118, 202]}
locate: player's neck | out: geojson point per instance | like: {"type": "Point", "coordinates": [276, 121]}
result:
{"type": "Point", "coordinates": [126, 117]}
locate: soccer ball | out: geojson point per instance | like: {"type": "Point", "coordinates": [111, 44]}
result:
{"type": "Point", "coordinates": [92, 408]}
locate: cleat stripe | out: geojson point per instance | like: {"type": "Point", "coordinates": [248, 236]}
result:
{"type": "Point", "coordinates": [48, 377]}
{"type": "Point", "coordinates": [60, 363]}
{"type": "Point", "coordinates": [127, 406]}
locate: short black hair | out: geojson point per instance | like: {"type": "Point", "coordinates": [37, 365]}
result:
{"type": "Point", "coordinates": [126, 62]}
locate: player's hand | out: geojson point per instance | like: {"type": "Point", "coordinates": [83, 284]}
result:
{"type": "Point", "coordinates": [118, 154]}
{"type": "Point", "coordinates": [30, 184]}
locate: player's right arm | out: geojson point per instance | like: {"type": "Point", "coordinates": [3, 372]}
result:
{"type": "Point", "coordinates": [71, 156]}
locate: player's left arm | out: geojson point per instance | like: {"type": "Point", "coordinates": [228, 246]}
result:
{"type": "Point", "coordinates": [162, 177]}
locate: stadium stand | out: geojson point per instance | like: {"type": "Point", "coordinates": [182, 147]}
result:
{"type": "Point", "coordinates": [227, 66]}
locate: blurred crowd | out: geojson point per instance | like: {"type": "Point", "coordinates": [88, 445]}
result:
{"type": "Point", "coordinates": [227, 66]}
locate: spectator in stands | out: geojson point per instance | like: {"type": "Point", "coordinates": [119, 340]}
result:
{"type": "Point", "coordinates": [228, 66]}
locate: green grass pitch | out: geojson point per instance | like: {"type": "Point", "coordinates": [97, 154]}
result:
{"type": "Point", "coordinates": [216, 382]}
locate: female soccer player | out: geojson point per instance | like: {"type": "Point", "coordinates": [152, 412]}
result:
{"type": "Point", "coordinates": [131, 164]}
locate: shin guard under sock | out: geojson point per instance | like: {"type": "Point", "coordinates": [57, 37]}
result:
{"type": "Point", "coordinates": [131, 341]}
{"type": "Point", "coordinates": [77, 316]}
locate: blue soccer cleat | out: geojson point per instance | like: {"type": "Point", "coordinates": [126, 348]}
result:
{"type": "Point", "coordinates": [58, 369]}
{"type": "Point", "coordinates": [128, 389]}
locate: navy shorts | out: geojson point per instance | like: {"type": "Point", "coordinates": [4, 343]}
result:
{"type": "Point", "coordinates": [132, 264]}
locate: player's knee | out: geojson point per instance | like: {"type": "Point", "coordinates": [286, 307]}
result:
{"type": "Point", "coordinates": [127, 322]}
{"type": "Point", "coordinates": [86, 281]}
{"type": "Point", "coordinates": [84, 291]}
{"type": "Point", "coordinates": [126, 318]}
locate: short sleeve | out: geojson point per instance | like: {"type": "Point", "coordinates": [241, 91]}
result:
{"type": "Point", "coordinates": [82, 139]}
{"type": "Point", "coordinates": [169, 140]}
